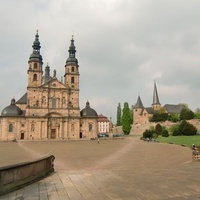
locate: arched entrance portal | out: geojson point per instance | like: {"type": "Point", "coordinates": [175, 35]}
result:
{"type": "Point", "coordinates": [53, 133]}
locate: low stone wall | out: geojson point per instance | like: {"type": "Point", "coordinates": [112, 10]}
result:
{"type": "Point", "coordinates": [138, 129]}
{"type": "Point", "coordinates": [19, 175]}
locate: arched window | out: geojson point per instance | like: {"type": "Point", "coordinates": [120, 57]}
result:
{"type": "Point", "coordinates": [58, 102]}
{"type": "Point", "coordinates": [72, 127]}
{"type": "Point", "coordinates": [10, 128]}
{"type": "Point", "coordinates": [64, 100]}
{"type": "Point", "coordinates": [43, 100]}
{"type": "Point", "coordinates": [35, 65]}
{"type": "Point", "coordinates": [32, 127]}
{"type": "Point", "coordinates": [90, 127]}
{"type": "Point", "coordinates": [54, 103]}
{"type": "Point", "coordinates": [34, 77]}
{"type": "Point", "coordinates": [72, 79]}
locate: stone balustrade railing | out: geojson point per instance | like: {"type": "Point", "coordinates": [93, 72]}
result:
{"type": "Point", "coordinates": [19, 175]}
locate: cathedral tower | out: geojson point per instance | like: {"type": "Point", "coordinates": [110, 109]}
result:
{"type": "Point", "coordinates": [156, 104]}
{"type": "Point", "coordinates": [35, 64]}
{"type": "Point", "coordinates": [72, 76]}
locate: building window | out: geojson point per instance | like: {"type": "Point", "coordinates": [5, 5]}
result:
{"type": "Point", "coordinates": [32, 127]}
{"type": "Point", "coordinates": [10, 128]}
{"type": "Point", "coordinates": [58, 102]}
{"type": "Point", "coordinates": [90, 127]}
{"type": "Point", "coordinates": [72, 127]}
{"type": "Point", "coordinates": [72, 69]}
{"type": "Point", "coordinates": [54, 103]}
{"type": "Point", "coordinates": [72, 79]}
{"type": "Point", "coordinates": [35, 65]}
{"type": "Point", "coordinates": [34, 77]}
{"type": "Point", "coordinates": [43, 100]}
{"type": "Point", "coordinates": [64, 101]}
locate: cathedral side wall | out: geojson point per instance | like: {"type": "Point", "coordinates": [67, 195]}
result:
{"type": "Point", "coordinates": [89, 128]}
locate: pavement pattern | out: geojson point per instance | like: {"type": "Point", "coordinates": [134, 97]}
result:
{"type": "Point", "coordinates": [114, 169]}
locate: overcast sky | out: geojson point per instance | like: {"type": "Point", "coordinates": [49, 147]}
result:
{"type": "Point", "coordinates": [122, 47]}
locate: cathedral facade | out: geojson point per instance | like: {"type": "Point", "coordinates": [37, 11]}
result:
{"type": "Point", "coordinates": [50, 108]}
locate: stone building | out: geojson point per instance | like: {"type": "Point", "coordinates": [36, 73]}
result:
{"type": "Point", "coordinates": [103, 124]}
{"type": "Point", "coordinates": [50, 108]}
{"type": "Point", "coordinates": [142, 114]}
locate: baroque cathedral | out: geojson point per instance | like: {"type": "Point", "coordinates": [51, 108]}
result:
{"type": "Point", "coordinates": [50, 108]}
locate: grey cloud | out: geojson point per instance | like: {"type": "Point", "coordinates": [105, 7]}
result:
{"type": "Point", "coordinates": [122, 46]}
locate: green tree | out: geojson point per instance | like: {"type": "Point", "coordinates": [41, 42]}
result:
{"type": "Point", "coordinates": [174, 129]}
{"type": "Point", "coordinates": [147, 134]}
{"type": "Point", "coordinates": [119, 115]}
{"type": "Point", "coordinates": [186, 114]}
{"type": "Point", "coordinates": [159, 117]}
{"type": "Point", "coordinates": [197, 113]}
{"type": "Point", "coordinates": [165, 133]}
{"type": "Point", "coordinates": [126, 119]}
{"type": "Point", "coordinates": [131, 113]}
{"type": "Point", "coordinates": [173, 117]}
{"type": "Point", "coordinates": [158, 129]}
{"type": "Point", "coordinates": [186, 128]}
{"type": "Point", "coordinates": [184, 104]}
{"type": "Point", "coordinates": [189, 129]}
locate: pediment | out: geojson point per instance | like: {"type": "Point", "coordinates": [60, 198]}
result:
{"type": "Point", "coordinates": [53, 114]}
{"type": "Point", "coordinates": [54, 84]}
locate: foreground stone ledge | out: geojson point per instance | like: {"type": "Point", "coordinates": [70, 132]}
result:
{"type": "Point", "coordinates": [15, 176]}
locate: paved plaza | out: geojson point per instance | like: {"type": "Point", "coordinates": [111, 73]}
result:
{"type": "Point", "coordinates": [114, 169]}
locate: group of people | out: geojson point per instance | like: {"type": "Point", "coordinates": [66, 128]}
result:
{"type": "Point", "coordinates": [195, 152]}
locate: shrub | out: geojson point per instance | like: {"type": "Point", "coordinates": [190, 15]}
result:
{"type": "Point", "coordinates": [189, 129]}
{"type": "Point", "coordinates": [181, 126]}
{"type": "Point", "coordinates": [174, 129]}
{"type": "Point", "coordinates": [158, 129]}
{"type": "Point", "coordinates": [176, 133]}
{"type": "Point", "coordinates": [159, 117]}
{"type": "Point", "coordinates": [151, 128]}
{"type": "Point", "coordinates": [154, 135]}
{"type": "Point", "coordinates": [173, 117]}
{"type": "Point", "coordinates": [186, 114]}
{"type": "Point", "coordinates": [165, 133]}
{"type": "Point", "coordinates": [184, 128]}
{"type": "Point", "coordinates": [147, 134]}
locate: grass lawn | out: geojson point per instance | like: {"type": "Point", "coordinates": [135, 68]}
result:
{"type": "Point", "coordinates": [181, 140]}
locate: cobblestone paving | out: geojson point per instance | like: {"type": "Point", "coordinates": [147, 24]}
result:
{"type": "Point", "coordinates": [122, 169]}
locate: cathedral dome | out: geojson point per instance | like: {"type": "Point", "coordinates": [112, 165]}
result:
{"type": "Point", "coordinates": [88, 112]}
{"type": "Point", "coordinates": [12, 110]}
